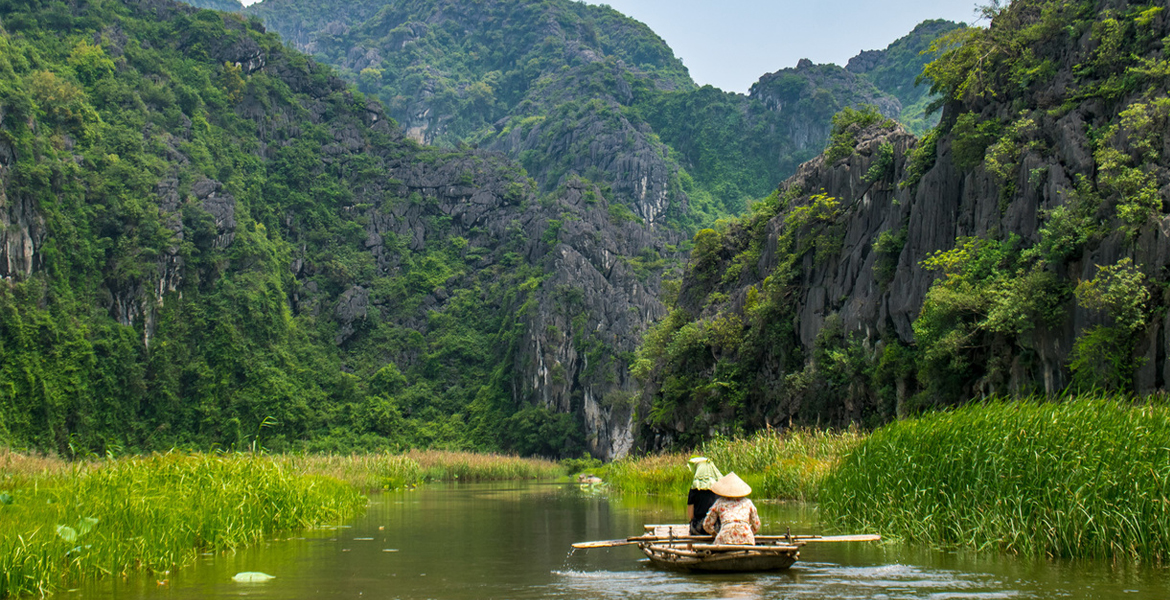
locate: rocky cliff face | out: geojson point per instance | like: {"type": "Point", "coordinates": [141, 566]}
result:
{"type": "Point", "coordinates": [916, 273]}
{"type": "Point", "coordinates": [809, 95]}
{"type": "Point", "coordinates": [543, 83]}
{"type": "Point", "coordinates": [22, 229]}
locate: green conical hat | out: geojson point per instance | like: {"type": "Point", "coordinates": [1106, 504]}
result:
{"type": "Point", "coordinates": [706, 473]}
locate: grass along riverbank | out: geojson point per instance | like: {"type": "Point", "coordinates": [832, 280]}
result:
{"type": "Point", "coordinates": [393, 471]}
{"type": "Point", "coordinates": [1079, 478]}
{"type": "Point", "coordinates": [788, 465]}
{"type": "Point", "coordinates": [63, 523]}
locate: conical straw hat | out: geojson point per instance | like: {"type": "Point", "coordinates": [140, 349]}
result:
{"type": "Point", "coordinates": [731, 486]}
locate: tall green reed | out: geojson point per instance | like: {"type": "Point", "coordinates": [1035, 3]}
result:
{"type": "Point", "coordinates": [788, 465]}
{"type": "Point", "coordinates": [152, 513]}
{"type": "Point", "coordinates": [394, 471]}
{"type": "Point", "coordinates": [1087, 477]}
{"type": "Point", "coordinates": [441, 465]}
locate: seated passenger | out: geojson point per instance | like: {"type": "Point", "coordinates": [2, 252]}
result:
{"type": "Point", "coordinates": [733, 518]}
{"type": "Point", "coordinates": [700, 497]}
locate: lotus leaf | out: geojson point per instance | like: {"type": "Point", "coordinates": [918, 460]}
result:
{"type": "Point", "coordinates": [252, 577]}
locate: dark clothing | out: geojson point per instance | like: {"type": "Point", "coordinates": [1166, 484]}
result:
{"type": "Point", "coordinates": [702, 500]}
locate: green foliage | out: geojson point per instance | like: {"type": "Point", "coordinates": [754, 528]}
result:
{"type": "Point", "coordinates": [970, 139]}
{"type": "Point", "coordinates": [1002, 158]}
{"type": "Point", "coordinates": [620, 213]}
{"type": "Point", "coordinates": [1067, 228]}
{"type": "Point", "coordinates": [225, 5]}
{"type": "Point", "coordinates": [1011, 57]}
{"type": "Point", "coordinates": [728, 142]}
{"type": "Point", "coordinates": [882, 168]}
{"type": "Point", "coordinates": [1102, 356]}
{"type": "Point", "coordinates": [538, 431]}
{"type": "Point", "coordinates": [697, 373]}
{"type": "Point", "coordinates": [888, 248]}
{"type": "Point", "coordinates": [1082, 477]}
{"type": "Point", "coordinates": [1120, 291]}
{"type": "Point", "coordinates": [846, 125]}
{"type": "Point", "coordinates": [922, 159]}
{"type": "Point", "coordinates": [1125, 153]}
{"type": "Point", "coordinates": [187, 286]}
{"type": "Point", "coordinates": [987, 301]}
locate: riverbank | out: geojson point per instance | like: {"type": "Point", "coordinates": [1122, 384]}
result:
{"type": "Point", "coordinates": [63, 523]}
{"type": "Point", "coordinates": [788, 466]}
{"type": "Point", "coordinates": [1085, 478]}
{"type": "Point", "coordinates": [386, 471]}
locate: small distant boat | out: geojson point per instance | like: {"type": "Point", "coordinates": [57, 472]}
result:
{"type": "Point", "coordinates": [672, 547]}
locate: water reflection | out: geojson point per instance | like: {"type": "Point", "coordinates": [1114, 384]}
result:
{"type": "Point", "coordinates": [513, 541]}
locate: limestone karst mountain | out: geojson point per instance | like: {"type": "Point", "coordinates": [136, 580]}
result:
{"type": "Point", "coordinates": [210, 238]}
{"type": "Point", "coordinates": [1018, 248]}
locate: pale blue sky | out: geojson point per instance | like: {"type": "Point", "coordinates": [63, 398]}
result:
{"type": "Point", "coordinates": [731, 43]}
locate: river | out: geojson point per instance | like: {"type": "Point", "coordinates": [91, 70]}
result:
{"type": "Point", "coordinates": [512, 540]}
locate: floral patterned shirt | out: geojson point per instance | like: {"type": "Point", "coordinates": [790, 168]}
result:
{"type": "Point", "coordinates": [736, 519]}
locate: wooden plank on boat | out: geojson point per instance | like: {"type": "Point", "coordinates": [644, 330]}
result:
{"type": "Point", "coordinates": [743, 547]}
{"type": "Point", "coordinates": [672, 530]}
{"type": "Point", "coordinates": [677, 551]}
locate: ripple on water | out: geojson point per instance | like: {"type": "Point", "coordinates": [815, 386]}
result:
{"type": "Point", "coordinates": [811, 580]}
{"type": "Point", "coordinates": [897, 581]}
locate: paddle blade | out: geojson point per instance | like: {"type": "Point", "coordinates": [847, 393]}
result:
{"type": "Point", "coordinates": [867, 537]}
{"type": "Point", "coordinates": [603, 544]}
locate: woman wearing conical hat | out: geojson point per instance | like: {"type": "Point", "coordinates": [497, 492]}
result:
{"type": "Point", "coordinates": [700, 497]}
{"type": "Point", "coordinates": [733, 518]}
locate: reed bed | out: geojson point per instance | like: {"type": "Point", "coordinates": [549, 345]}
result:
{"type": "Point", "coordinates": [1080, 478]}
{"type": "Point", "coordinates": [152, 513]}
{"type": "Point", "coordinates": [441, 465]}
{"type": "Point", "coordinates": [789, 465]}
{"type": "Point", "coordinates": [373, 471]}
{"type": "Point", "coordinates": [394, 471]}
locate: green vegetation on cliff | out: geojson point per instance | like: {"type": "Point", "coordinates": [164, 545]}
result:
{"type": "Point", "coordinates": [1015, 249]}
{"type": "Point", "coordinates": [572, 89]}
{"type": "Point", "coordinates": [208, 241]}
{"type": "Point", "coordinates": [896, 70]}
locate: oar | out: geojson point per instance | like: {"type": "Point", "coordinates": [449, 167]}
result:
{"type": "Point", "coordinates": [866, 537]}
{"type": "Point", "coordinates": [604, 544]}
{"type": "Point", "coordinates": [800, 538]}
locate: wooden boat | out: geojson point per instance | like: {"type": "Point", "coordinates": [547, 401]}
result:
{"type": "Point", "coordinates": [672, 547]}
{"type": "Point", "coordinates": [675, 549]}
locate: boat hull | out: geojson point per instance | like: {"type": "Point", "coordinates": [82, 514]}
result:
{"type": "Point", "coordinates": [722, 561]}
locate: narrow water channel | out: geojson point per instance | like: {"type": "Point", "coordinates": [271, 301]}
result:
{"type": "Point", "coordinates": [512, 540]}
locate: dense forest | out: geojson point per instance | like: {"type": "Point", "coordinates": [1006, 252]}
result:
{"type": "Point", "coordinates": [208, 240]}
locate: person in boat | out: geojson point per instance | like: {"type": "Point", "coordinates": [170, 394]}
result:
{"type": "Point", "coordinates": [700, 497]}
{"type": "Point", "coordinates": [733, 518]}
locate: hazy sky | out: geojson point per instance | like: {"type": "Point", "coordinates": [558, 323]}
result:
{"type": "Point", "coordinates": [731, 43]}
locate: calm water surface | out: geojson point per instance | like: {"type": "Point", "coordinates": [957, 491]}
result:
{"type": "Point", "coordinates": [512, 540]}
